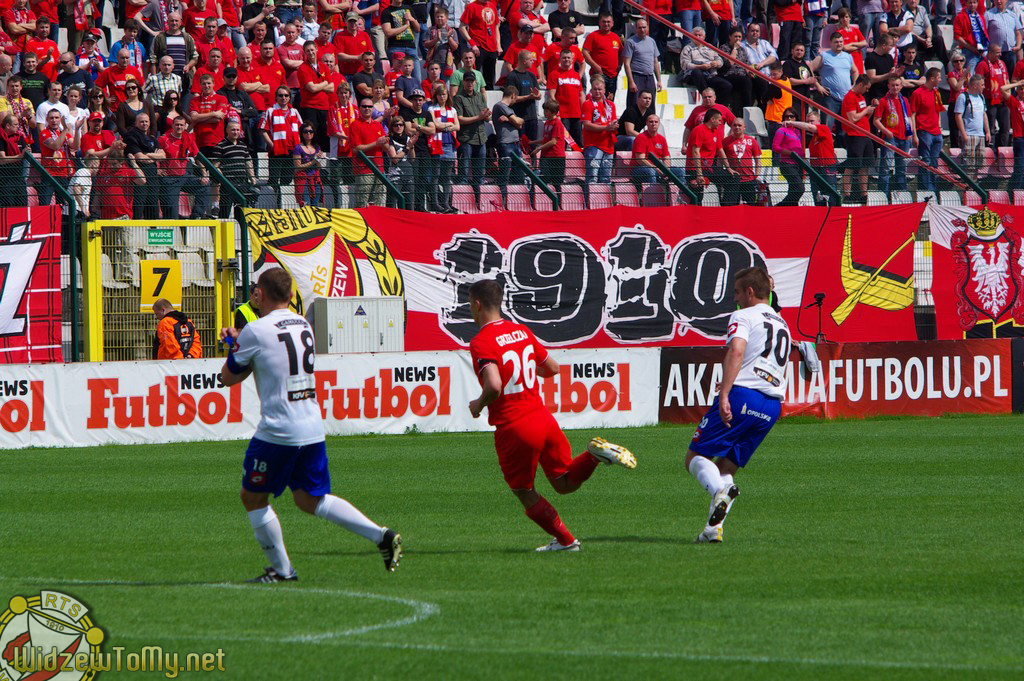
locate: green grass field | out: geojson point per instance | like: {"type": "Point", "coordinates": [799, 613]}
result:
{"type": "Point", "coordinates": [857, 550]}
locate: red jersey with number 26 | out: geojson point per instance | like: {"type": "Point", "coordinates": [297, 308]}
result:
{"type": "Point", "coordinates": [515, 351]}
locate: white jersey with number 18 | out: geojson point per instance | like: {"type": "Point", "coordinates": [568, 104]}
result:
{"type": "Point", "coordinates": [279, 348]}
{"type": "Point", "coordinates": [766, 357]}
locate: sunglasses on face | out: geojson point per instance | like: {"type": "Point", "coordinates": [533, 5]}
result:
{"type": "Point", "coordinates": [366, 106]}
{"type": "Point", "coordinates": [283, 94]}
{"type": "Point", "coordinates": [64, 62]}
{"type": "Point", "coordinates": [307, 132]}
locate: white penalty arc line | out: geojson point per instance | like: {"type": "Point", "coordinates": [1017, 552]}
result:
{"type": "Point", "coordinates": [421, 609]}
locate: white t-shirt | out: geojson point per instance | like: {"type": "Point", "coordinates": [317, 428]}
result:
{"type": "Point", "coordinates": [82, 178]}
{"type": "Point", "coordinates": [766, 357]}
{"type": "Point", "coordinates": [44, 108]}
{"type": "Point", "coordinates": [279, 348]}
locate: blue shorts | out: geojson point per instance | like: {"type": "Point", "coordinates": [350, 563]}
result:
{"type": "Point", "coordinates": [269, 468]}
{"type": "Point", "coordinates": [753, 415]}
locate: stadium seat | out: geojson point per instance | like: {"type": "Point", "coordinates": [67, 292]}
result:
{"type": "Point", "coordinates": [1018, 197]}
{"type": "Point", "coordinates": [711, 196]}
{"type": "Point", "coordinates": [877, 198]}
{"type": "Point", "coordinates": [973, 200]}
{"type": "Point", "coordinates": [988, 164]}
{"type": "Point", "coordinates": [107, 274]}
{"type": "Point", "coordinates": [901, 196]}
{"type": "Point", "coordinates": [572, 197]}
{"type": "Point", "coordinates": [999, 197]}
{"type": "Point", "coordinates": [656, 195]}
{"type": "Point", "coordinates": [194, 271]}
{"type": "Point", "coordinates": [1004, 162]}
{"type": "Point", "coordinates": [625, 194]}
{"type": "Point", "coordinates": [925, 195]}
{"type": "Point", "coordinates": [33, 198]}
{"type": "Point", "coordinates": [601, 196]}
{"type": "Point", "coordinates": [950, 198]}
{"type": "Point", "coordinates": [754, 118]}
{"type": "Point", "coordinates": [184, 204]}
{"type": "Point", "coordinates": [672, 129]}
{"type": "Point", "coordinates": [518, 198]}
{"type": "Point", "coordinates": [944, 122]}
{"type": "Point", "coordinates": [575, 164]}
{"type": "Point", "coordinates": [946, 31]}
{"type": "Point", "coordinates": [490, 199]}
{"type": "Point", "coordinates": [464, 200]}
{"type": "Point", "coordinates": [541, 201]}
{"type": "Point", "coordinates": [621, 169]}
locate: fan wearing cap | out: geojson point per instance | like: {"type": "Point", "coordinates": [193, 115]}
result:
{"type": "Point", "coordinates": [350, 44]}
{"type": "Point", "coordinates": [315, 85]}
{"type": "Point", "coordinates": [239, 100]}
{"type": "Point", "coordinates": [97, 142]}
{"type": "Point", "coordinates": [89, 57]}
{"type": "Point", "coordinates": [526, 40]}
{"type": "Point", "coordinates": [420, 125]}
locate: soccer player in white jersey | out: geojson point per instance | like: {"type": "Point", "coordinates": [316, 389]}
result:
{"type": "Point", "coordinates": [288, 448]}
{"type": "Point", "coordinates": [749, 399]}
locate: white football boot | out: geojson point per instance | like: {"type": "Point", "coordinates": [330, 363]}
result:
{"type": "Point", "coordinates": [611, 453]}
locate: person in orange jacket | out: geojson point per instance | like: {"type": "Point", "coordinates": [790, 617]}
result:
{"type": "Point", "coordinates": [176, 335]}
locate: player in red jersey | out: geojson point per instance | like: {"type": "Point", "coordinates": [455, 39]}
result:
{"type": "Point", "coordinates": [508, 359]}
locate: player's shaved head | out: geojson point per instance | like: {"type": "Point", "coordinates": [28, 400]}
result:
{"type": "Point", "coordinates": [487, 292]}
{"type": "Point", "coordinates": [276, 284]}
{"type": "Point", "coordinates": [755, 278]}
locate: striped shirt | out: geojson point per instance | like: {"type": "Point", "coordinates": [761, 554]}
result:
{"type": "Point", "coordinates": [232, 158]}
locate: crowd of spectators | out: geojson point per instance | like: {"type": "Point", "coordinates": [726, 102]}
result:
{"type": "Point", "coordinates": [320, 87]}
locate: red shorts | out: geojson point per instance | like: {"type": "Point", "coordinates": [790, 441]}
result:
{"type": "Point", "coordinates": [524, 443]}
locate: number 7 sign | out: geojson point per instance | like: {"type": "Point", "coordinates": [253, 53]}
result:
{"type": "Point", "coordinates": [159, 279]}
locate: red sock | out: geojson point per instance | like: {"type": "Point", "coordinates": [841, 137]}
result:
{"type": "Point", "coordinates": [545, 515]}
{"type": "Point", "coordinates": [581, 468]}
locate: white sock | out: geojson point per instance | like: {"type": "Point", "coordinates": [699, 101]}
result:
{"type": "Point", "coordinates": [707, 474]}
{"type": "Point", "coordinates": [341, 512]}
{"type": "Point", "coordinates": [727, 480]}
{"type": "Point", "coordinates": [267, 529]}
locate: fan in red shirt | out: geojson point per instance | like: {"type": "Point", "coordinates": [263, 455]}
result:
{"type": "Point", "coordinates": [44, 48]}
{"type": "Point", "coordinates": [96, 141]}
{"type": "Point", "coordinates": [290, 55]}
{"type": "Point", "coordinates": [568, 89]}
{"type": "Point", "coordinates": [708, 102]}
{"type": "Point", "coordinates": [600, 131]}
{"type": "Point", "coordinates": [56, 145]}
{"type": "Point", "coordinates": [259, 34]}
{"type": "Point", "coordinates": [117, 178]}
{"type": "Point", "coordinates": [478, 26]}
{"type": "Point", "coordinates": [368, 136]}
{"type": "Point", "coordinates": [703, 148]}
{"type": "Point", "coordinates": [350, 44]}
{"type": "Point", "coordinates": [269, 70]}
{"type": "Point", "coordinates": [855, 115]}
{"type": "Point", "coordinates": [527, 40]}
{"type": "Point", "coordinates": [601, 50]}
{"type": "Point", "coordinates": [508, 362]}
{"type": "Point", "coordinates": [212, 41]}
{"type": "Point", "coordinates": [743, 160]}
{"type": "Point", "coordinates": [645, 145]}
{"type": "Point", "coordinates": [551, 55]}
{"type": "Point", "coordinates": [19, 21]}
{"type": "Point", "coordinates": [215, 67]}
{"type": "Point", "coordinates": [1016, 105]}
{"type": "Point", "coordinates": [195, 18]}
{"type": "Point", "coordinates": [113, 79]}
{"type": "Point", "coordinates": [996, 75]}
{"type": "Point", "coordinates": [208, 112]}
{"type": "Point", "coordinates": [926, 103]}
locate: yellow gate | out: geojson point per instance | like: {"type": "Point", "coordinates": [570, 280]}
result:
{"type": "Point", "coordinates": [128, 264]}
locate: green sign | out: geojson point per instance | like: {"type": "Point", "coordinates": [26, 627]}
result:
{"type": "Point", "coordinates": [161, 236]}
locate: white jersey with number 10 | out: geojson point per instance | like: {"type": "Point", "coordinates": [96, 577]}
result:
{"type": "Point", "coordinates": [766, 357]}
{"type": "Point", "coordinates": [279, 348]}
